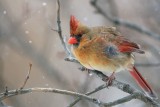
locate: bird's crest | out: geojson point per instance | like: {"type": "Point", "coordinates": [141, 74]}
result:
{"type": "Point", "coordinates": [73, 24]}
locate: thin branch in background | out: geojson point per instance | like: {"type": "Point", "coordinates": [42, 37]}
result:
{"type": "Point", "coordinates": [148, 64]}
{"type": "Point", "coordinates": [88, 93]}
{"type": "Point", "coordinates": [124, 23]}
{"type": "Point", "coordinates": [27, 77]}
{"type": "Point", "coordinates": [6, 91]}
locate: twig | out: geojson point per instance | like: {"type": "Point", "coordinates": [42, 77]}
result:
{"type": "Point", "coordinates": [27, 77]}
{"type": "Point", "coordinates": [123, 100]}
{"type": "Point", "coordinates": [6, 91]}
{"type": "Point", "coordinates": [128, 89]}
{"type": "Point", "coordinates": [89, 93]}
{"type": "Point", "coordinates": [12, 93]}
{"type": "Point", "coordinates": [60, 30]}
{"type": "Point", "coordinates": [124, 23]}
{"type": "Point", "coordinates": [50, 90]}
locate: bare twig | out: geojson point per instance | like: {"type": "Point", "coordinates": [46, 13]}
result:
{"type": "Point", "coordinates": [12, 93]}
{"type": "Point", "coordinates": [123, 100]}
{"type": "Point", "coordinates": [6, 90]}
{"type": "Point", "coordinates": [27, 77]}
{"type": "Point", "coordinates": [60, 30]}
{"type": "Point", "coordinates": [50, 90]}
{"type": "Point", "coordinates": [124, 23]}
{"type": "Point", "coordinates": [89, 93]}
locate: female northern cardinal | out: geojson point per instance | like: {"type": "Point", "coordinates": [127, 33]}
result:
{"type": "Point", "coordinates": [104, 49]}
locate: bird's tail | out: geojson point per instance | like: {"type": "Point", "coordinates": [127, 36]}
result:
{"type": "Point", "coordinates": [143, 84]}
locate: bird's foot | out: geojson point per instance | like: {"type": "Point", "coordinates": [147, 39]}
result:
{"type": "Point", "coordinates": [109, 79]}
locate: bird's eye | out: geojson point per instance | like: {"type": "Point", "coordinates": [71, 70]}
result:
{"type": "Point", "coordinates": [78, 37]}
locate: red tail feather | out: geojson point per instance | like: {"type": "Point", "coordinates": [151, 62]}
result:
{"type": "Point", "coordinates": [144, 85]}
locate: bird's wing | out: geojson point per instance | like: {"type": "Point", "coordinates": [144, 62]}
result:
{"type": "Point", "coordinates": [126, 46]}
{"type": "Point", "coordinates": [116, 43]}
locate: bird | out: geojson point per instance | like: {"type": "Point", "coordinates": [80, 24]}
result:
{"type": "Point", "coordinates": [105, 49]}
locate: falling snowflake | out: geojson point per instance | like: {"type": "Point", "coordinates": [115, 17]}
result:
{"type": "Point", "coordinates": [85, 19]}
{"type": "Point", "coordinates": [90, 74]}
{"type": "Point", "coordinates": [26, 32]}
{"type": "Point", "coordinates": [44, 4]}
{"type": "Point", "coordinates": [46, 84]}
{"type": "Point", "coordinates": [25, 23]}
{"type": "Point", "coordinates": [43, 77]}
{"type": "Point", "coordinates": [30, 41]}
{"type": "Point", "coordinates": [4, 12]}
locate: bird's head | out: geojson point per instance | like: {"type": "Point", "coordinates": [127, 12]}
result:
{"type": "Point", "coordinates": [77, 29]}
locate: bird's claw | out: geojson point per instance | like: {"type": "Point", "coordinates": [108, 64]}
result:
{"type": "Point", "coordinates": [109, 79]}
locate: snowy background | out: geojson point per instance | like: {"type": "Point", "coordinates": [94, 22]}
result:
{"type": "Point", "coordinates": [26, 37]}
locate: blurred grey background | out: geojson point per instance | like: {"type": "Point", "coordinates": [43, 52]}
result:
{"type": "Point", "coordinates": [26, 37]}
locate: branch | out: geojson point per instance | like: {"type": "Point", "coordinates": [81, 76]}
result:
{"type": "Point", "coordinates": [89, 93]}
{"type": "Point", "coordinates": [124, 23]}
{"type": "Point", "coordinates": [12, 93]}
{"type": "Point", "coordinates": [128, 89]}
{"type": "Point", "coordinates": [122, 100]}
{"type": "Point", "coordinates": [60, 30]}
{"type": "Point", "coordinates": [27, 77]}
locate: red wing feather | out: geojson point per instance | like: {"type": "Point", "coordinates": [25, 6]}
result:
{"type": "Point", "coordinates": [128, 47]}
{"type": "Point", "coordinates": [130, 44]}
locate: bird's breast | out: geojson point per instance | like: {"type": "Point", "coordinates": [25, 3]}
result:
{"type": "Point", "coordinates": [93, 57]}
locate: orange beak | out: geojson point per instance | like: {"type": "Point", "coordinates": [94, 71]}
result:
{"type": "Point", "coordinates": [72, 40]}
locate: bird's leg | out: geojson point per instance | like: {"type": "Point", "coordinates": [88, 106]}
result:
{"type": "Point", "coordinates": [110, 79]}
{"type": "Point", "coordinates": [105, 78]}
